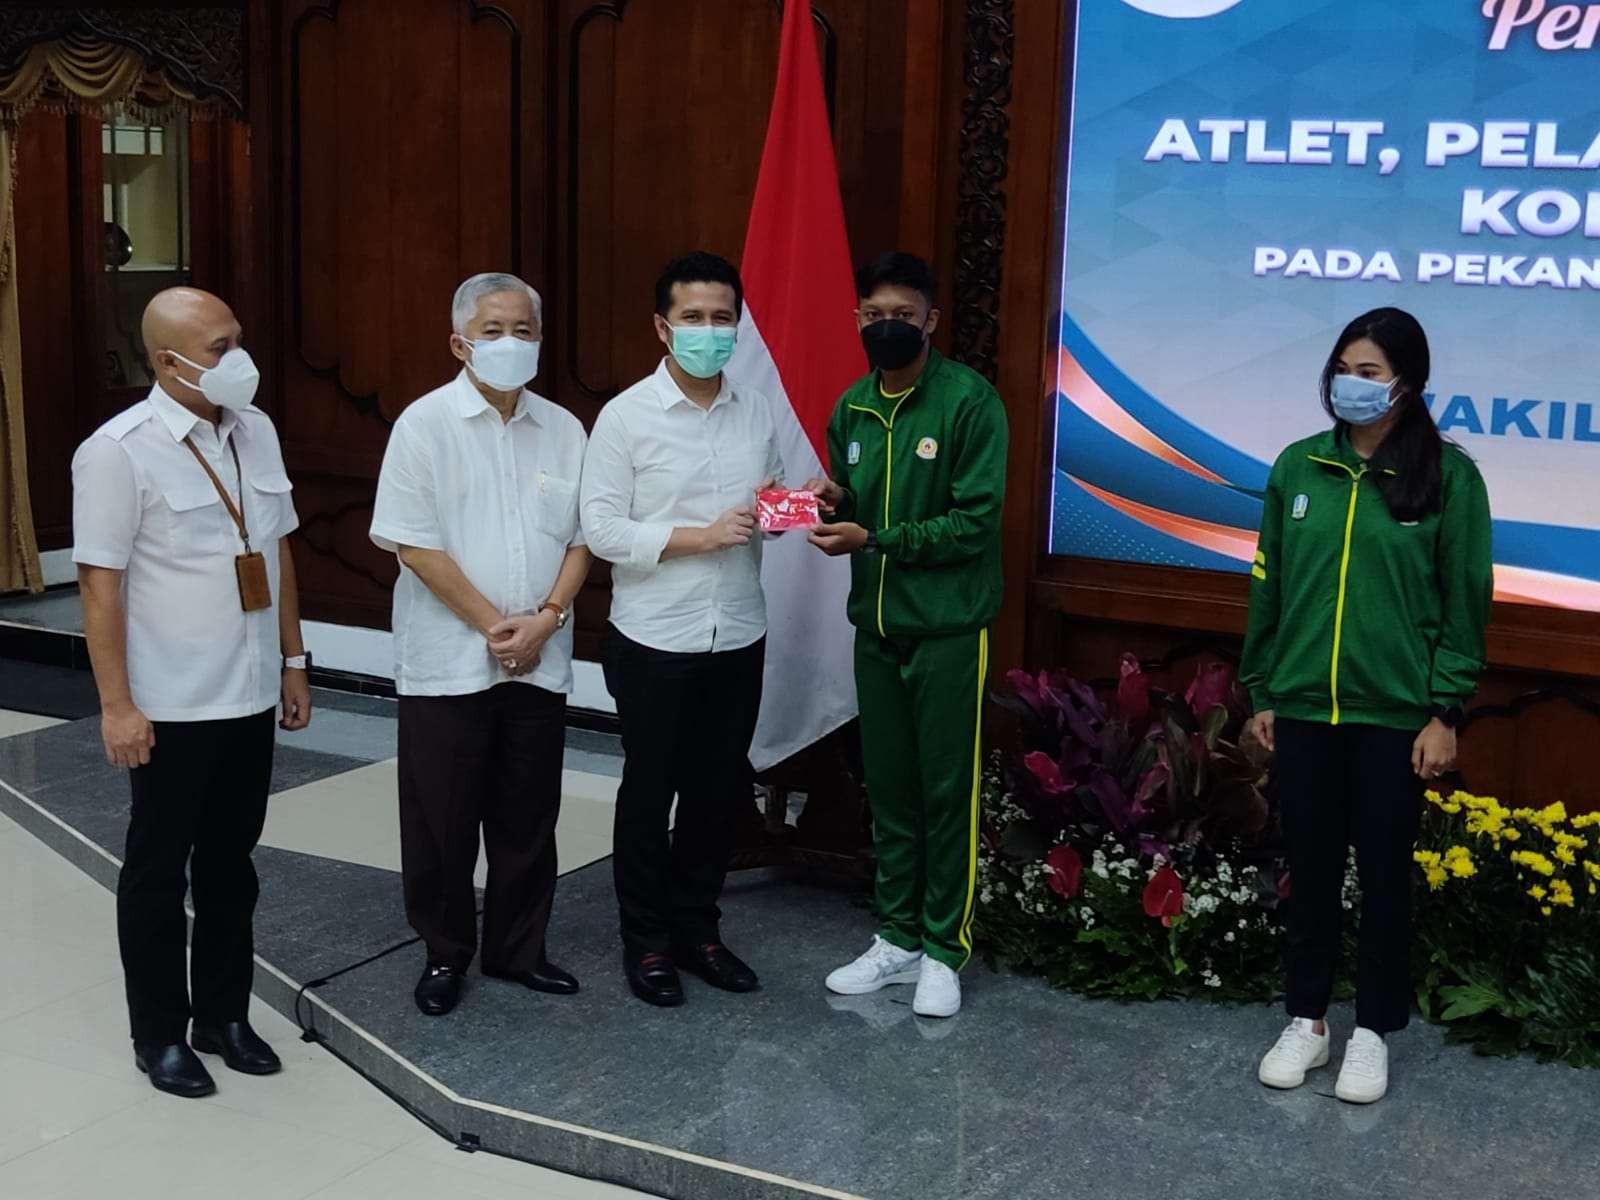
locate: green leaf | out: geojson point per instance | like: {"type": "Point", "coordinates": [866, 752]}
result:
{"type": "Point", "coordinates": [1468, 1000]}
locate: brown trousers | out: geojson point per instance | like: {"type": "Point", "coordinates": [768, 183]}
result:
{"type": "Point", "coordinates": [492, 761]}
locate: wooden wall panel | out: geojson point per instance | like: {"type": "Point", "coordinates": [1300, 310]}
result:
{"type": "Point", "coordinates": [405, 144]}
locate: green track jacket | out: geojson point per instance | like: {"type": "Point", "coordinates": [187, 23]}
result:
{"type": "Point", "coordinates": [1356, 617]}
{"type": "Point", "coordinates": [927, 472]}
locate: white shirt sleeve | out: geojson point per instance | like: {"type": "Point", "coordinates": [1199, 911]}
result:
{"type": "Point", "coordinates": [105, 505]}
{"type": "Point", "coordinates": [578, 538]}
{"type": "Point", "coordinates": [405, 512]}
{"type": "Point", "coordinates": [606, 501]}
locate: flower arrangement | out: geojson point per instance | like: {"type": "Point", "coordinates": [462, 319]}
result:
{"type": "Point", "coordinates": [1508, 948]}
{"type": "Point", "coordinates": [1130, 850]}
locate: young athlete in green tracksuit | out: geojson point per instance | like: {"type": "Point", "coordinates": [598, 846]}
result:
{"type": "Point", "coordinates": [918, 462]}
{"type": "Point", "coordinates": [1369, 596]}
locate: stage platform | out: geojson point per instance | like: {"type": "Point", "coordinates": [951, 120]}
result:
{"type": "Point", "coordinates": [1027, 1095]}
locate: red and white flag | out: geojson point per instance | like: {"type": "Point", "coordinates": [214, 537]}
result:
{"type": "Point", "coordinates": [798, 344]}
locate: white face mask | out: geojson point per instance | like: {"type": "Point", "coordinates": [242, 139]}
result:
{"type": "Point", "coordinates": [504, 363]}
{"type": "Point", "coordinates": [230, 384]}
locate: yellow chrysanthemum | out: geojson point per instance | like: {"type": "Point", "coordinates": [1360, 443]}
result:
{"type": "Point", "coordinates": [1436, 877]}
{"type": "Point", "coordinates": [1566, 855]}
{"type": "Point", "coordinates": [1512, 835]}
{"type": "Point", "coordinates": [1561, 893]}
{"type": "Point", "coordinates": [1537, 892]}
{"type": "Point", "coordinates": [1534, 861]}
{"type": "Point", "coordinates": [1426, 858]}
{"type": "Point", "coordinates": [1593, 868]}
{"type": "Point", "coordinates": [1587, 821]}
{"type": "Point", "coordinates": [1546, 910]}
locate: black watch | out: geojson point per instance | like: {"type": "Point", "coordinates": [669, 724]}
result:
{"type": "Point", "coordinates": [870, 546]}
{"type": "Point", "coordinates": [1452, 715]}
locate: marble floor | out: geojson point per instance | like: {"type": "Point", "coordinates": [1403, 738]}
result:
{"type": "Point", "coordinates": [77, 1123]}
{"type": "Point", "coordinates": [1028, 1095]}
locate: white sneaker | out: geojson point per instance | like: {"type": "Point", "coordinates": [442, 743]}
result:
{"type": "Point", "coordinates": [938, 990]}
{"type": "Point", "coordinates": [883, 963]}
{"type": "Point", "coordinates": [1364, 1077]}
{"type": "Point", "coordinates": [1299, 1050]}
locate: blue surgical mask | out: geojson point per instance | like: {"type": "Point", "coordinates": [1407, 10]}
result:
{"type": "Point", "coordinates": [1359, 401]}
{"type": "Point", "coordinates": [703, 350]}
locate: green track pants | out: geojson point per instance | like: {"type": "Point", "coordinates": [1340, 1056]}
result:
{"type": "Point", "coordinates": [921, 703]}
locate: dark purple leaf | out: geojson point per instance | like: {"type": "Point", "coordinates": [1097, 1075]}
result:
{"type": "Point", "coordinates": [1212, 686]}
{"type": "Point", "coordinates": [1133, 691]}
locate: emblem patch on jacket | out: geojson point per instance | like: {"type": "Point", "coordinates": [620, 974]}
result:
{"type": "Point", "coordinates": [928, 449]}
{"type": "Point", "coordinates": [852, 454]}
{"type": "Point", "coordinates": [1301, 503]}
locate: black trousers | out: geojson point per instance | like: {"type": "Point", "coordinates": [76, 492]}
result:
{"type": "Point", "coordinates": [687, 721]}
{"type": "Point", "coordinates": [491, 760]}
{"type": "Point", "coordinates": [200, 803]}
{"type": "Point", "coordinates": [1344, 785]}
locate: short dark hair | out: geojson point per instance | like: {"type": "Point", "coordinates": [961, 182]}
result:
{"type": "Point", "coordinates": [900, 269]}
{"type": "Point", "coordinates": [700, 266]}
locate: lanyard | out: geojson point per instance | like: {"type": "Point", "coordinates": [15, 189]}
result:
{"type": "Point", "coordinates": [227, 500]}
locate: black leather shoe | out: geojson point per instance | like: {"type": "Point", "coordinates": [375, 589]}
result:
{"type": "Point", "coordinates": [438, 990]}
{"type": "Point", "coordinates": [546, 977]}
{"type": "Point", "coordinates": [654, 979]}
{"type": "Point", "coordinates": [717, 965]}
{"type": "Point", "coordinates": [239, 1046]}
{"type": "Point", "coordinates": [175, 1069]}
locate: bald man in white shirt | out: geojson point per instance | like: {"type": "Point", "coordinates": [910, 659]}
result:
{"type": "Point", "coordinates": [181, 508]}
{"type": "Point", "coordinates": [478, 498]}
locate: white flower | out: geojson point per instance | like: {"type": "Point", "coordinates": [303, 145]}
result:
{"type": "Point", "coordinates": [1229, 936]}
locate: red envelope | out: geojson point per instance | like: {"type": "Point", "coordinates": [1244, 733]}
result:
{"type": "Point", "coordinates": [778, 509]}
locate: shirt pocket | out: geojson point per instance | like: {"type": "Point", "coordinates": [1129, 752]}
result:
{"type": "Point", "coordinates": [271, 503]}
{"type": "Point", "coordinates": [555, 507]}
{"type": "Point", "coordinates": [197, 524]}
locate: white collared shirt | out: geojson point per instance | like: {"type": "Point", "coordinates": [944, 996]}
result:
{"type": "Point", "coordinates": [501, 499]}
{"type": "Point", "coordinates": [143, 506]}
{"type": "Point", "coordinates": [658, 461]}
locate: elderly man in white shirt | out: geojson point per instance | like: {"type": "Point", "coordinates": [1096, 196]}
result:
{"type": "Point", "coordinates": [180, 510]}
{"type": "Point", "coordinates": [478, 497]}
{"type": "Point", "coordinates": [669, 487]}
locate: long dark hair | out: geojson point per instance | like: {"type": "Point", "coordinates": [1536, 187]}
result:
{"type": "Point", "coordinates": [1407, 464]}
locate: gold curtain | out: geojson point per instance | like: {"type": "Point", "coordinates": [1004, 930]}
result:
{"type": "Point", "coordinates": [80, 74]}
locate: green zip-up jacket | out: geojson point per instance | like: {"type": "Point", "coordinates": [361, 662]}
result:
{"type": "Point", "coordinates": [926, 471]}
{"type": "Point", "coordinates": [1356, 617]}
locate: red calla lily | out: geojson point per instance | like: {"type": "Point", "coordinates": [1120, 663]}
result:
{"type": "Point", "coordinates": [1163, 895]}
{"type": "Point", "coordinates": [1066, 871]}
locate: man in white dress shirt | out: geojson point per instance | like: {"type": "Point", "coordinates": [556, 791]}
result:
{"type": "Point", "coordinates": [180, 512]}
{"type": "Point", "coordinates": [478, 498]}
{"type": "Point", "coordinates": [669, 487]}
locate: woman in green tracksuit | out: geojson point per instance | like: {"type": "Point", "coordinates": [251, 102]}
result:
{"type": "Point", "coordinates": [1371, 589]}
{"type": "Point", "coordinates": [918, 469]}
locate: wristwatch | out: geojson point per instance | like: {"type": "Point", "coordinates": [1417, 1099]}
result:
{"type": "Point", "coordinates": [1452, 715]}
{"type": "Point", "coordinates": [297, 662]}
{"type": "Point", "coordinates": [562, 614]}
{"type": "Point", "coordinates": [870, 546]}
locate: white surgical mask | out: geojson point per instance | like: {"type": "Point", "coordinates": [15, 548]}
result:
{"type": "Point", "coordinates": [505, 363]}
{"type": "Point", "coordinates": [230, 384]}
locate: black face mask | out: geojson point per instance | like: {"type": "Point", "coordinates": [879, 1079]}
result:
{"type": "Point", "coordinates": [891, 345]}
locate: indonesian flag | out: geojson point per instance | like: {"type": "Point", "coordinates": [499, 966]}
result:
{"type": "Point", "coordinates": [798, 345]}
